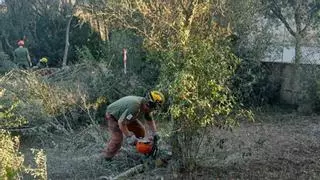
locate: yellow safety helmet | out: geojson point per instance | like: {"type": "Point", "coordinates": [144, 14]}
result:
{"type": "Point", "coordinates": [44, 60]}
{"type": "Point", "coordinates": [156, 97]}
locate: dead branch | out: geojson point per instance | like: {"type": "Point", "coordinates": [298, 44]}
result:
{"type": "Point", "coordinates": [125, 175]}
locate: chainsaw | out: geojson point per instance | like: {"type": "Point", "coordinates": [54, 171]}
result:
{"type": "Point", "coordinates": [148, 147]}
{"type": "Point", "coordinates": [153, 156]}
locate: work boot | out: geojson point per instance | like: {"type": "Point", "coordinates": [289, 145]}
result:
{"type": "Point", "coordinates": [103, 158]}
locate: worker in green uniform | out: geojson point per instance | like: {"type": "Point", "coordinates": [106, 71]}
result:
{"type": "Point", "coordinates": [123, 117]}
{"type": "Point", "coordinates": [21, 56]}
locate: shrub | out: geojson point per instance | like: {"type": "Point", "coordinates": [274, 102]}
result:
{"type": "Point", "coordinates": [251, 85]}
{"type": "Point", "coordinates": [11, 160]}
{"type": "Point", "coordinates": [5, 63]}
{"type": "Point", "coordinates": [201, 97]}
{"type": "Point", "coordinates": [196, 65]}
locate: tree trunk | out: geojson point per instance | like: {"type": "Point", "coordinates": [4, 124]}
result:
{"type": "Point", "coordinates": [298, 49]}
{"type": "Point", "coordinates": [66, 48]}
{"type": "Point", "coordinates": [298, 35]}
{"type": "Point", "coordinates": [176, 145]}
{"type": "Point", "coordinates": [1, 48]}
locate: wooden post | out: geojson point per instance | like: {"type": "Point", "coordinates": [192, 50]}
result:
{"type": "Point", "coordinates": [125, 60]}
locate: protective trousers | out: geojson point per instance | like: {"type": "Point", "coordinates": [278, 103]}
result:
{"type": "Point", "coordinates": [115, 142]}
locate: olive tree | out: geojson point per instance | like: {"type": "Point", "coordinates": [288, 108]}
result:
{"type": "Point", "coordinates": [298, 17]}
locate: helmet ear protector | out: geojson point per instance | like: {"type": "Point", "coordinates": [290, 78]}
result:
{"type": "Point", "coordinates": [151, 104]}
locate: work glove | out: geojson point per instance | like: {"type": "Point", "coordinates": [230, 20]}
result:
{"type": "Point", "coordinates": [131, 140]}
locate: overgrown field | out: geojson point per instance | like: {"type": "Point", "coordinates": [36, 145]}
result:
{"type": "Point", "coordinates": [280, 145]}
{"type": "Point", "coordinates": [62, 118]}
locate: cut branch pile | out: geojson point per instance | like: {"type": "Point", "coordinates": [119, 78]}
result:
{"type": "Point", "coordinates": [58, 97]}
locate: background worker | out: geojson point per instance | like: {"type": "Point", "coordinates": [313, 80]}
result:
{"type": "Point", "coordinates": [43, 62]}
{"type": "Point", "coordinates": [21, 56]}
{"type": "Point", "coordinates": [123, 118]}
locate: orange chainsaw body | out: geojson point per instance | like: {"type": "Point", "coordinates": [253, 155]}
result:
{"type": "Point", "coordinates": [144, 146]}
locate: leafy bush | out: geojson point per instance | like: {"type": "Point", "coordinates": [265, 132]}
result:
{"type": "Point", "coordinates": [201, 97]}
{"type": "Point", "coordinates": [310, 90]}
{"type": "Point", "coordinates": [5, 63]}
{"type": "Point", "coordinates": [12, 161]}
{"type": "Point", "coordinates": [196, 65]}
{"type": "Point", "coordinates": [84, 54]}
{"type": "Point", "coordinates": [251, 85]}
{"type": "Point", "coordinates": [8, 117]}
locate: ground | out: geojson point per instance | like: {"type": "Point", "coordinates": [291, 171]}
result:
{"type": "Point", "coordinates": [281, 145]}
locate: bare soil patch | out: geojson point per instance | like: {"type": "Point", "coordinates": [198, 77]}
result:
{"type": "Point", "coordinates": [276, 146]}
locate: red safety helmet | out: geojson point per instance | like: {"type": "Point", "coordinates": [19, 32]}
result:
{"type": "Point", "coordinates": [21, 43]}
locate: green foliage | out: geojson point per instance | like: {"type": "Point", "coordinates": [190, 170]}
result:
{"type": "Point", "coordinates": [5, 63]}
{"type": "Point", "coordinates": [317, 103]}
{"type": "Point", "coordinates": [4, 56]}
{"type": "Point", "coordinates": [251, 85]}
{"type": "Point", "coordinates": [11, 161]}
{"type": "Point", "coordinates": [52, 42]}
{"type": "Point", "coordinates": [42, 25]}
{"type": "Point", "coordinates": [82, 35]}
{"type": "Point", "coordinates": [84, 54]}
{"type": "Point", "coordinates": [8, 117]}
{"type": "Point", "coordinates": [309, 95]}
{"type": "Point", "coordinates": [200, 91]}
{"type": "Point", "coordinates": [40, 171]}
{"type": "Point", "coordinates": [253, 39]}
{"type": "Point", "coordinates": [201, 97]}
{"type": "Point", "coordinates": [196, 65]}
{"type": "Point", "coordinates": [111, 54]}
{"type": "Point", "coordinates": [137, 63]}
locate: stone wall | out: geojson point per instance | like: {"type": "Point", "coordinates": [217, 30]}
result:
{"type": "Point", "coordinates": [297, 84]}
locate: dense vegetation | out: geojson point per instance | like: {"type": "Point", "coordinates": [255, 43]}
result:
{"type": "Point", "coordinates": [204, 55]}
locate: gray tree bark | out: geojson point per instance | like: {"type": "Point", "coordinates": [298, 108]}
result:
{"type": "Point", "coordinates": [67, 45]}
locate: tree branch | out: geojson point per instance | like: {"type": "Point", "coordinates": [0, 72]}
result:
{"type": "Point", "coordinates": [276, 10]}
{"type": "Point", "coordinates": [311, 14]}
{"type": "Point", "coordinates": [135, 170]}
